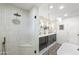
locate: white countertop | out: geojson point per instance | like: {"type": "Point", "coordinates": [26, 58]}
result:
{"type": "Point", "coordinates": [46, 34]}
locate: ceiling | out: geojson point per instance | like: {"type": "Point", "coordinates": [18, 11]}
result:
{"type": "Point", "coordinates": [26, 6]}
{"type": "Point", "coordinates": [70, 9]}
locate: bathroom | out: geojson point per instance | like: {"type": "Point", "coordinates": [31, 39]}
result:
{"type": "Point", "coordinates": [38, 28]}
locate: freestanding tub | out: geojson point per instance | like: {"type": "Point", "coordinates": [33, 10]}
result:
{"type": "Point", "coordinates": [68, 49]}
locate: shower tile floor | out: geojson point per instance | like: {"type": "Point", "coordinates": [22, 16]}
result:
{"type": "Point", "coordinates": [53, 50]}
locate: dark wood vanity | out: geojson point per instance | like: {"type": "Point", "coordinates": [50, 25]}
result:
{"type": "Point", "coordinates": [45, 41]}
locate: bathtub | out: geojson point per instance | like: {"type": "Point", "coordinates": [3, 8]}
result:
{"type": "Point", "coordinates": [68, 49]}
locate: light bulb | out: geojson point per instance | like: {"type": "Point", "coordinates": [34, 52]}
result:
{"type": "Point", "coordinates": [61, 7]}
{"type": "Point", "coordinates": [51, 7]}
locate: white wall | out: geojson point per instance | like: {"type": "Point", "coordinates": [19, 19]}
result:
{"type": "Point", "coordinates": [43, 10]}
{"type": "Point", "coordinates": [71, 29]}
{"type": "Point", "coordinates": [35, 23]}
{"type": "Point", "coordinates": [16, 35]}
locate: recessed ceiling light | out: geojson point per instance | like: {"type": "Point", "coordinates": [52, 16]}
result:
{"type": "Point", "coordinates": [51, 7]}
{"type": "Point", "coordinates": [65, 15]}
{"type": "Point", "coordinates": [61, 7]}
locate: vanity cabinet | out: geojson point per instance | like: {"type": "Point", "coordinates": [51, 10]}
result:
{"type": "Point", "coordinates": [45, 41]}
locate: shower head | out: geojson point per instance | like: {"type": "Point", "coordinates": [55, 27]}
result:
{"type": "Point", "coordinates": [16, 14]}
{"type": "Point", "coordinates": [16, 21]}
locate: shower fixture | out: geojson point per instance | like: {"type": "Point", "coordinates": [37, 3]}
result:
{"type": "Point", "coordinates": [4, 47]}
{"type": "Point", "coordinates": [16, 14]}
{"type": "Point", "coordinates": [16, 20]}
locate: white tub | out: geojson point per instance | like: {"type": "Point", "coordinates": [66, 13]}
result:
{"type": "Point", "coordinates": [68, 49]}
